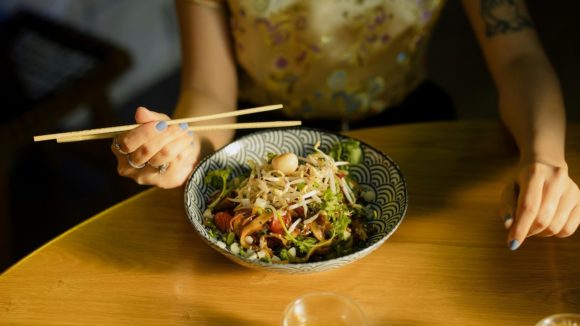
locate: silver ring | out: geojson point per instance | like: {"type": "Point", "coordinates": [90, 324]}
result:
{"type": "Point", "coordinates": [162, 168]}
{"type": "Point", "coordinates": [133, 165]}
{"type": "Point", "coordinates": [118, 147]}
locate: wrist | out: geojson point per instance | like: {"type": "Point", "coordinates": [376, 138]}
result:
{"type": "Point", "coordinates": [555, 160]}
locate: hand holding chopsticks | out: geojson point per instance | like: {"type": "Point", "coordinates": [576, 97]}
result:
{"type": "Point", "coordinates": [111, 132]}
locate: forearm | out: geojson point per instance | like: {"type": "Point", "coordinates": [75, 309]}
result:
{"type": "Point", "coordinates": [195, 103]}
{"type": "Point", "coordinates": [209, 79]}
{"type": "Point", "coordinates": [532, 108]}
{"type": "Point", "coordinates": [531, 104]}
{"type": "Point", "coordinates": [540, 198]}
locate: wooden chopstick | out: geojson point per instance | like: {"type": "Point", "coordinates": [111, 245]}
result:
{"type": "Point", "coordinates": [245, 125]}
{"type": "Point", "coordinates": [99, 131]}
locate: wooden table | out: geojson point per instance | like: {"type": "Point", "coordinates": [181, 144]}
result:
{"type": "Point", "coordinates": [140, 262]}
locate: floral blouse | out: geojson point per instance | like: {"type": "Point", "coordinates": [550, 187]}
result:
{"type": "Point", "coordinates": [339, 59]}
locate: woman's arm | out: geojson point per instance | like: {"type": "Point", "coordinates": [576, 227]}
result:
{"type": "Point", "coordinates": [164, 156]}
{"type": "Point", "coordinates": [542, 199]}
{"type": "Point", "coordinates": [208, 75]}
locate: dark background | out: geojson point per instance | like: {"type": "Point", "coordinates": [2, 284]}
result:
{"type": "Point", "coordinates": [49, 188]}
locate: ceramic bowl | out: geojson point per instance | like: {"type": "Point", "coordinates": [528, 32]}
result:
{"type": "Point", "coordinates": [381, 179]}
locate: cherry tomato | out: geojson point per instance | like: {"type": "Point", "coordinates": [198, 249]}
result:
{"type": "Point", "coordinates": [276, 226]}
{"type": "Point", "coordinates": [222, 221]}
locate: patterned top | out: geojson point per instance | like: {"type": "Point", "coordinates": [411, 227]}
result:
{"type": "Point", "coordinates": [339, 59]}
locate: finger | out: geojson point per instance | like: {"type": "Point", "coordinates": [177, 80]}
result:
{"type": "Point", "coordinates": [551, 196]}
{"type": "Point", "coordinates": [144, 115]}
{"type": "Point", "coordinates": [132, 140]}
{"type": "Point", "coordinates": [152, 123]}
{"type": "Point", "coordinates": [122, 167]}
{"type": "Point", "coordinates": [138, 157]}
{"type": "Point", "coordinates": [527, 210]}
{"type": "Point", "coordinates": [507, 204]}
{"type": "Point", "coordinates": [186, 165]}
{"type": "Point", "coordinates": [566, 203]}
{"type": "Point", "coordinates": [175, 175]}
{"type": "Point", "coordinates": [170, 151]}
{"type": "Point", "coordinates": [571, 224]}
{"type": "Point", "coordinates": [159, 143]}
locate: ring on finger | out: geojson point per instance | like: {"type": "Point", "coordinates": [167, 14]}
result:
{"type": "Point", "coordinates": [118, 147]}
{"type": "Point", "coordinates": [162, 168]}
{"type": "Point", "coordinates": [133, 165]}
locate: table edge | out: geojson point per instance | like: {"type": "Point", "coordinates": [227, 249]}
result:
{"type": "Point", "coordinates": [82, 224]}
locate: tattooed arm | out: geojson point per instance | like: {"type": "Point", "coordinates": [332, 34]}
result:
{"type": "Point", "coordinates": [541, 199]}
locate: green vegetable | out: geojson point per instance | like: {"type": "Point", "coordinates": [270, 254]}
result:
{"type": "Point", "coordinates": [218, 179]}
{"type": "Point", "coordinates": [304, 244]}
{"type": "Point", "coordinates": [284, 255]}
{"type": "Point", "coordinates": [340, 223]}
{"type": "Point", "coordinates": [270, 156]}
{"type": "Point", "coordinates": [347, 150]}
{"type": "Point", "coordinates": [351, 151]}
{"type": "Point", "coordinates": [230, 238]}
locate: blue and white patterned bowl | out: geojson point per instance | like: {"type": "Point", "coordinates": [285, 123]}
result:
{"type": "Point", "coordinates": [378, 175]}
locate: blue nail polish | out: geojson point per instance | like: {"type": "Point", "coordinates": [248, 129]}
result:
{"type": "Point", "coordinates": [183, 125]}
{"type": "Point", "coordinates": [190, 133]}
{"type": "Point", "coordinates": [507, 217]}
{"type": "Point", "coordinates": [514, 244]}
{"type": "Point", "coordinates": [161, 125]}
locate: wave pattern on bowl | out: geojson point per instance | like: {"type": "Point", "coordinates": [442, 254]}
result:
{"type": "Point", "coordinates": [377, 174]}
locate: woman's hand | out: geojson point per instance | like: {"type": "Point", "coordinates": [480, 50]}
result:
{"type": "Point", "coordinates": [155, 153]}
{"type": "Point", "coordinates": [541, 201]}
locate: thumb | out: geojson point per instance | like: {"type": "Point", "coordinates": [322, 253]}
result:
{"type": "Point", "coordinates": [508, 203]}
{"type": "Point", "coordinates": [143, 115]}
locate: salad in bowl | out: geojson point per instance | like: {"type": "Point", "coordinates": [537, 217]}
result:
{"type": "Point", "coordinates": [296, 200]}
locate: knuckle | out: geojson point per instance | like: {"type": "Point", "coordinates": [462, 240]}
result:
{"type": "Point", "coordinates": [553, 229]}
{"type": "Point", "coordinates": [124, 143]}
{"type": "Point", "coordinates": [140, 180]}
{"type": "Point", "coordinates": [145, 150]}
{"type": "Point", "coordinates": [122, 171]}
{"type": "Point", "coordinates": [561, 172]}
{"type": "Point", "coordinates": [542, 223]}
{"type": "Point", "coordinates": [565, 232]}
{"type": "Point", "coordinates": [164, 185]}
{"type": "Point", "coordinates": [534, 168]}
{"type": "Point", "coordinates": [165, 151]}
{"type": "Point", "coordinates": [526, 208]}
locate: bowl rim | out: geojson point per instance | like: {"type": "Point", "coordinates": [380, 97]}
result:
{"type": "Point", "coordinates": [364, 251]}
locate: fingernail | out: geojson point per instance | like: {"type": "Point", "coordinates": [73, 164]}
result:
{"type": "Point", "coordinates": [190, 133]}
{"type": "Point", "coordinates": [183, 125]}
{"type": "Point", "coordinates": [161, 125]}
{"type": "Point", "coordinates": [514, 244]}
{"type": "Point", "coordinates": [507, 220]}
{"type": "Point", "coordinates": [508, 223]}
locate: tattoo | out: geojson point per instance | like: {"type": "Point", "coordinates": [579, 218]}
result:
{"type": "Point", "coordinates": [503, 17]}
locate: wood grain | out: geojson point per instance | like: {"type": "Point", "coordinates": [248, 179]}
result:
{"type": "Point", "coordinates": [140, 262]}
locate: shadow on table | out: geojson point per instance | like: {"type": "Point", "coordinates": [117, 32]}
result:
{"type": "Point", "coordinates": [209, 316]}
{"type": "Point", "coordinates": [149, 232]}
{"type": "Point", "coordinates": [446, 179]}
{"type": "Point", "coordinates": [439, 168]}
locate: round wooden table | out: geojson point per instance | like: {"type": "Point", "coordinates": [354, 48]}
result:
{"type": "Point", "coordinates": [140, 262]}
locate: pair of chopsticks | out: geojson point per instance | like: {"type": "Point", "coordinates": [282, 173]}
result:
{"type": "Point", "coordinates": [103, 133]}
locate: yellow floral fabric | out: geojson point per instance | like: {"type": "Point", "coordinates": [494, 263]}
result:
{"type": "Point", "coordinates": [339, 59]}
